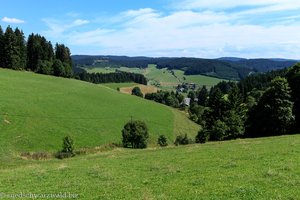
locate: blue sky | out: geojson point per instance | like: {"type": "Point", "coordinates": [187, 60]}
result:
{"type": "Point", "coordinates": [192, 28]}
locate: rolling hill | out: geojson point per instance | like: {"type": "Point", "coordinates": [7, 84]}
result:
{"type": "Point", "coordinates": [37, 111]}
{"type": "Point", "coordinates": [224, 68]}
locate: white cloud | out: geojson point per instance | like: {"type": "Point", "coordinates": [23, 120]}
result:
{"type": "Point", "coordinates": [269, 5]}
{"type": "Point", "coordinates": [188, 33]}
{"type": "Point", "coordinates": [12, 20]}
{"type": "Point", "coordinates": [207, 32]}
{"type": "Point", "coordinates": [57, 28]}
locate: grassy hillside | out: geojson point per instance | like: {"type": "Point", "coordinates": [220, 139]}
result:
{"type": "Point", "coordinates": [163, 78]}
{"type": "Point", "coordinates": [37, 111]}
{"type": "Point", "coordinates": [265, 168]}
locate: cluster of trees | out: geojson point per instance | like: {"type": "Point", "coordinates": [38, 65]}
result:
{"type": "Point", "coordinates": [270, 107]}
{"type": "Point", "coordinates": [115, 77]}
{"type": "Point", "coordinates": [168, 98]}
{"type": "Point", "coordinates": [135, 135]}
{"type": "Point", "coordinates": [36, 54]}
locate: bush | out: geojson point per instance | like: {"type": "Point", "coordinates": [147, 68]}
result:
{"type": "Point", "coordinates": [183, 140]}
{"type": "Point", "coordinates": [162, 141]}
{"type": "Point", "coordinates": [135, 135]}
{"type": "Point", "coordinates": [67, 148]}
{"type": "Point", "coordinates": [137, 92]}
{"type": "Point", "coordinates": [202, 136]}
{"type": "Point", "coordinates": [68, 145]}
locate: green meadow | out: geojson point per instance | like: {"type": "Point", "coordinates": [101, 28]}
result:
{"type": "Point", "coordinates": [264, 168]}
{"type": "Point", "coordinates": [163, 78]}
{"type": "Point", "coordinates": [37, 111]}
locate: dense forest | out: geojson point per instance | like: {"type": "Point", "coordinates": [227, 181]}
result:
{"type": "Point", "coordinates": [231, 69]}
{"type": "Point", "coordinates": [260, 105]}
{"type": "Point", "coordinates": [36, 54]}
{"type": "Point", "coordinates": [116, 77]}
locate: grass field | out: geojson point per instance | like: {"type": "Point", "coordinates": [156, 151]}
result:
{"type": "Point", "coordinates": [37, 111]}
{"type": "Point", "coordinates": [200, 80]}
{"type": "Point", "coordinates": [145, 89]}
{"type": "Point", "coordinates": [265, 168]}
{"type": "Point", "coordinates": [163, 78]}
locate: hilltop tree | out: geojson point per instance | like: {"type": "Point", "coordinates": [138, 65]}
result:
{"type": "Point", "coordinates": [273, 113]}
{"type": "Point", "coordinates": [21, 47]}
{"type": "Point", "coordinates": [38, 50]}
{"type": "Point", "coordinates": [63, 54]}
{"type": "Point", "coordinates": [135, 134]}
{"type": "Point", "coordinates": [11, 50]}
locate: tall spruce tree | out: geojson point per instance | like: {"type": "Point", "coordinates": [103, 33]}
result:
{"type": "Point", "coordinates": [63, 54]}
{"type": "Point", "coordinates": [293, 77]}
{"type": "Point", "coordinates": [203, 96]}
{"type": "Point", "coordinates": [21, 46]}
{"type": "Point", "coordinates": [1, 46]}
{"type": "Point", "coordinates": [11, 56]}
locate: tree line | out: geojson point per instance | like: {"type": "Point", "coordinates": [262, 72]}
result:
{"type": "Point", "coordinates": [114, 77]}
{"type": "Point", "coordinates": [258, 106]}
{"type": "Point", "coordinates": [35, 54]}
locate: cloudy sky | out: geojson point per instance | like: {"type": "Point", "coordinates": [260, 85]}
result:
{"type": "Point", "coordinates": [191, 28]}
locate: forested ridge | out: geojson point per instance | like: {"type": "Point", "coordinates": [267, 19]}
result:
{"type": "Point", "coordinates": [38, 55]}
{"type": "Point", "coordinates": [35, 54]}
{"type": "Point", "coordinates": [231, 69]}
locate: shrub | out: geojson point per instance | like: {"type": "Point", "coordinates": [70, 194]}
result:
{"type": "Point", "coordinates": [202, 136]}
{"type": "Point", "coordinates": [137, 92]}
{"type": "Point", "coordinates": [67, 148]}
{"type": "Point", "coordinates": [183, 140]}
{"type": "Point", "coordinates": [135, 135]}
{"type": "Point", "coordinates": [68, 145]}
{"type": "Point", "coordinates": [162, 141]}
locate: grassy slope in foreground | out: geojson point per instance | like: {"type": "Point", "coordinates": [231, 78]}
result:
{"type": "Point", "coordinates": [37, 111]}
{"type": "Point", "coordinates": [263, 168]}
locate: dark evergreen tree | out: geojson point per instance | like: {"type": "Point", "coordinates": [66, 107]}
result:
{"type": "Point", "coordinates": [21, 47]}
{"type": "Point", "coordinates": [11, 56]}
{"type": "Point", "coordinates": [1, 47]}
{"type": "Point", "coordinates": [58, 68]}
{"type": "Point", "coordinates": [68, 145]}
{"type": "Point", "coordinates": [273, 113]}
{"type": "Point", "coordinates": [63, 54]}
{"type": "Point", "coordinates": [203, 96]}
{"type": "Point", "coordinates": [293, 77]}
{"type": "Point", "coordinates": [162, 141]}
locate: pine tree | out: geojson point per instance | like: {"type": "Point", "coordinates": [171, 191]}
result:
{"type": "Point", "coordinates": [203, 96]}
{"type": "Point", "coordinates": [11, 56]}
{"type": "Point", "coordinates": [273, 113]}
{"type": "Point", "coordinates": [293, 77]}
{"type": "Point", "coordinates": [21, 46]}
{"type": "Point", "coordinates": [63, 54]}
{"type": "Point", "coordinates": [1, 47]}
